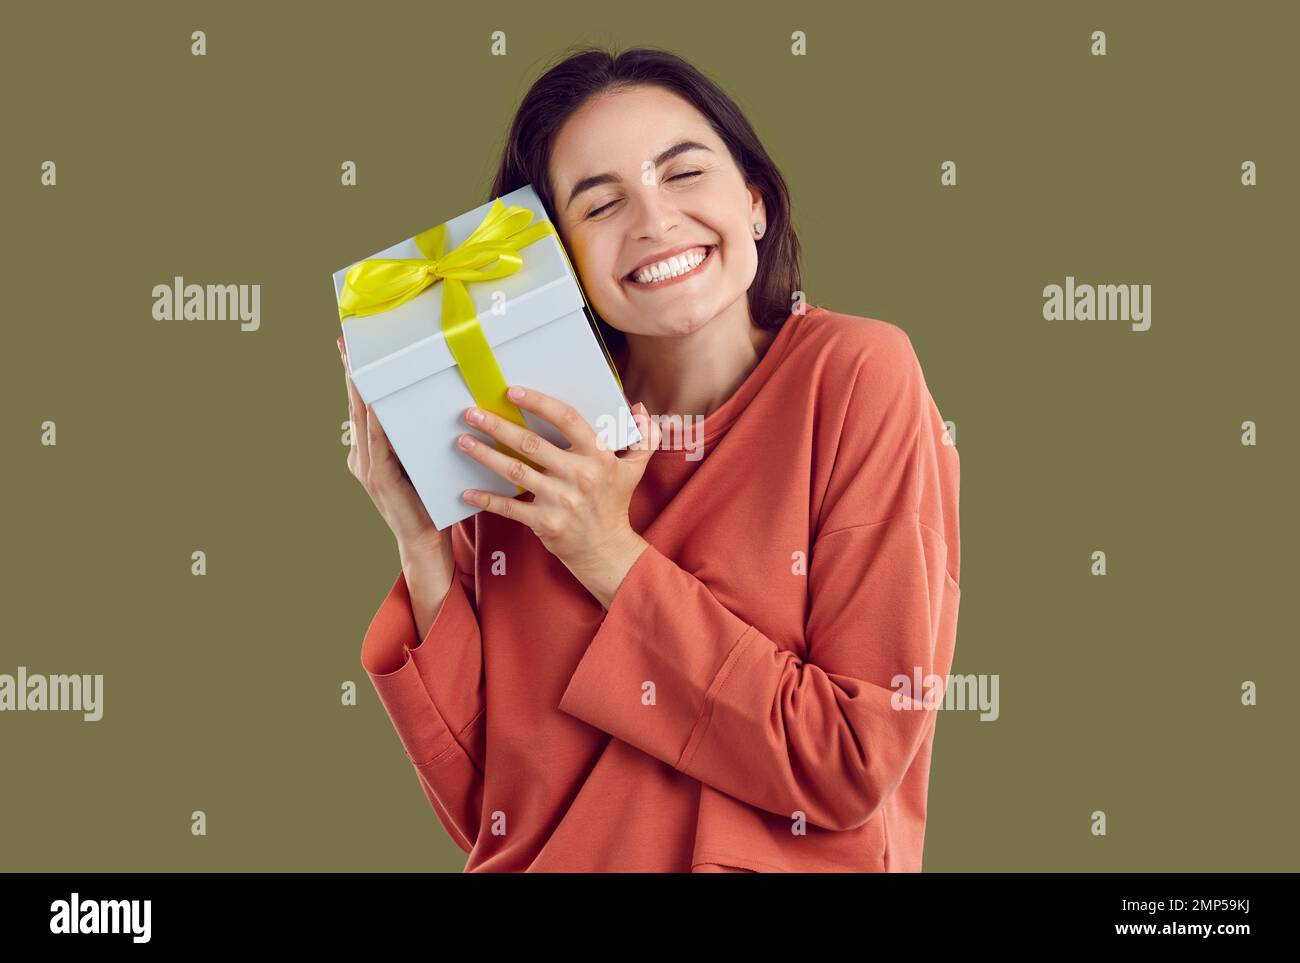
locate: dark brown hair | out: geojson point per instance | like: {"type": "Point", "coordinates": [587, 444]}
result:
{"type": "Point", "coordinates": [591, 71]}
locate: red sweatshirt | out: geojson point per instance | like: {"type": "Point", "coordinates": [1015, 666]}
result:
{"type": "Point", "coordinates": [741, 705]}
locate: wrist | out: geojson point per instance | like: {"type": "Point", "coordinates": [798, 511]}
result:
{"type": "Point", "coordinates": [603, 570]}
{"type": "Point", "coordinates": [617, 546]}
{"type": "Point", "coordinates": [422, 550]}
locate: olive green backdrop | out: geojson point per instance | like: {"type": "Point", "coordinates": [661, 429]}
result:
{"type": "Point", "coordinates": [222, 693]}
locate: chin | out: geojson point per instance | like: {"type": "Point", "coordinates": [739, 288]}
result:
{"type": "Point", "coordinates": [676, 325]}
{"type": "Point", "coordinates": [692, 321]}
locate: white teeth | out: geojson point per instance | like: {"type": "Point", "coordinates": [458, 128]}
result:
{"type": "Point", "coordinates": [671, 268]}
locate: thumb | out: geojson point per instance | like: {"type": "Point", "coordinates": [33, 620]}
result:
{"type": "Point", "coordinates": [639, 453]}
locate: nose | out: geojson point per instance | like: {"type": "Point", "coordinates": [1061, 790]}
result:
{"type": "Point", "coordinates": [653, 213]}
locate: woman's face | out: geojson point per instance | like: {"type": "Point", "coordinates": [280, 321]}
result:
{"type": "Point", "coordinates": [621, 200]}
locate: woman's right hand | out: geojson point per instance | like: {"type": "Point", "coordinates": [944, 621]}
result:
{"type": "Point", "coordinates": [373, 462]}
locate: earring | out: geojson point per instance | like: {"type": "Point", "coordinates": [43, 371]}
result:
{"type": "Point", "coordinates": [758, 229]}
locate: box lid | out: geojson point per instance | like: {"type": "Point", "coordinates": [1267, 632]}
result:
{"type": "Point", "coordinates": [394, 349]}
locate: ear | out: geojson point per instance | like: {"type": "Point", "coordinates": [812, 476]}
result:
{"type": "Point", "coordinates": [757, 209]}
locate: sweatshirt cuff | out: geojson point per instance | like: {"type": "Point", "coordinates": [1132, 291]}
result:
{"type": "Point", "coordinates": [391, 654]}
{"type": "Point", "coordinates": [663, 627]}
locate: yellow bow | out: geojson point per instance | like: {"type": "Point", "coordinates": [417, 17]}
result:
{"type": "Point", "coordinates": [491, 252]}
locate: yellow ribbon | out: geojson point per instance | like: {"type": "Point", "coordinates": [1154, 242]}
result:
{"type": "Point", "coordinates": [490, 252]}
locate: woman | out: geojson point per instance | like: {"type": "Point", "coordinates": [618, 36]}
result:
{"type": "Point", "coordinates": [691, 656]}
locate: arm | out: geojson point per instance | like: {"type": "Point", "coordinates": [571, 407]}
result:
{"type": "Point", "coordinates": [829, 734]}
{"type": "Point", "coordinates": [428, 575]}
{"type": "Point", "coordinates": [432, 689]}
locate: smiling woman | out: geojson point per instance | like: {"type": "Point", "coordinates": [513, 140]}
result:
{"type": "Point", "coordinates": [643, 161]}
{"type": "Point", "coordinates": [657, 662]}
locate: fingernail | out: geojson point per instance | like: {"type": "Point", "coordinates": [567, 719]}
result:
{"type": "Point", "coordinates": [516, 393]}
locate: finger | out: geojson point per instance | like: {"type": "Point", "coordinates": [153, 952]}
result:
{"type": "Point", "coordinates": [639, 453]}
{"type": "Point", "coordinates": [381, 452]}
{"type": "Point", "coordinates": [360, 423]}
{"type": "Point", "coordinates": [523, 440]}
{"type": "Point", "coordinates": [643, 429]}
{"type": "Point", "coordinates": [392, 452]}
{"type": "Point", "coordinates": [526, 513]}
{"type": "Point", "coordinates": [650, 429]}
{"type": "Point", "coordinates": [564, 417]}
{"type": "Point", "coordinates": [347, 389]}
{"type": "Point", "coordinates": [511, 469]}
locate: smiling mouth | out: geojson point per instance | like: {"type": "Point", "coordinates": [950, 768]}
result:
{"type": "Point", "coordinates": [660, 282]}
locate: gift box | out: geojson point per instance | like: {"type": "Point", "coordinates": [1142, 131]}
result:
{"type": "Point", "coordinates": [450, 318]}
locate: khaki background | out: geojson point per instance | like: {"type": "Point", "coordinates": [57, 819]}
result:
{"type": "Point", "coordinates": [222, 693]}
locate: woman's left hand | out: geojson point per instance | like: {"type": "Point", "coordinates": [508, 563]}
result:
{"type": "Point", "coordinates": [580, 500]}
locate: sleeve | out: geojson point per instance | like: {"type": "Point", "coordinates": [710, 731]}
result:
{"type": "Point", "coordinates": [830, 735]}
{"type": "Point", "coordinates": [432, 690]}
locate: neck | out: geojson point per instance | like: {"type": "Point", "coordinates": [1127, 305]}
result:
{"type": "Point", "coordinates": [693, 374]}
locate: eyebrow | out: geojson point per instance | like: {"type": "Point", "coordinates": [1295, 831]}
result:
{"type": "Point", "coordinates": [596, 180]}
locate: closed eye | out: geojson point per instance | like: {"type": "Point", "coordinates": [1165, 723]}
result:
{"type": "Point", "coordinates": [612, 203]}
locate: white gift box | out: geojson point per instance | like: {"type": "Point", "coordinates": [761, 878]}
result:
{"type": "Point", "coordinates": [535, 324]}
